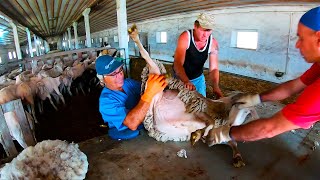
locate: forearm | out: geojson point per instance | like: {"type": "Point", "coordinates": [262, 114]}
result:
{"type": "Point", "coordinates": [180, 72]}
{"type": "Point", "coordinates": [136, 115]}
{"type": "Point", "coordinates": [262, 128]}
{"type": "Point", "coordinates": [214, 77]}
{"type": "Point", "coordinates": [252, 131]}
{"type": "Point", "coordinates": [283, 91]}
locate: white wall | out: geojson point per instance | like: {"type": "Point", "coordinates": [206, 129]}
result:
{"type": "Point", "coordinates": [276, 50]}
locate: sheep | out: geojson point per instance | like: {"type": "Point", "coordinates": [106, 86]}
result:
{"type": "Point", "coordinates": [5, 81]}
{"type": "Point", "coordinates": [53, 72]}
{"type": "Point", "coordinates": [176, 113]}
{"type": "Point", "coordinates": [50, 85]}
{"type": "Point", "coordinates": [49, 159]}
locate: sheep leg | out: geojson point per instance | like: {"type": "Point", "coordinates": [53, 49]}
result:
{"type": "Point", "coordinates": [81, 88]}
{"type": "Point", "coordinates": [31, 103]}
{"type": "Point", "coordinates": [33, 113]}
{"type": "Point", "coordinates": [31, 124]}
{"type": "Point", "coordinates": [254, 113]}
{"type": "Point", "coordinates": [55, 97]}
{"type": "Point", "coordinates": [54, 106]}
{"type": "Point", "coordinates": [60, 95]}
{"type": "Point", "coordinates": [40, 106]}
{"type": "Point", "coordinates": [236, 157]}
{"type": "Point", "coordinates": [134, 35]}
{"type": "Point", "coordinates": [69, 90]}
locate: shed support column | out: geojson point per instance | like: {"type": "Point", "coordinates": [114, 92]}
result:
{"type": "Point", "coordinates": [87, 26]}
{"type": "Point", "coordinates": [29, 42]}
{"type": "Point", "coordinates": [36, 44]}
{"type": "Point", "coordinates": [16, 39]}
{"type": "Point", "coordinates": [69, 38]}
{"type": "Point", "coordinates": [122, 31]}
{"type": "Point", "coordinates": [75, 31]}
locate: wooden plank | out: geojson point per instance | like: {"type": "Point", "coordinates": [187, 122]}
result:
{"type": "Point", "coordinates": [5, 137]}
{"type": "Point", "coordinates": [17, 107]}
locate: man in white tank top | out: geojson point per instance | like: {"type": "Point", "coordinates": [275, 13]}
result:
{"type": "Point", "coordinates": [193, 49]}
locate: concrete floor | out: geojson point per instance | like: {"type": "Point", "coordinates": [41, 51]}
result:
{"type": "Point", "coordinates": [288, 156]}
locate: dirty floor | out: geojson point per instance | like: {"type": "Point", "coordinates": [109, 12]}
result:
{"type": "Point", "coordinates": [292, 155]}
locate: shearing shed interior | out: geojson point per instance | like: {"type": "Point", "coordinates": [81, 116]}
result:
{"type": "Point", "coordinates": [50, 123]}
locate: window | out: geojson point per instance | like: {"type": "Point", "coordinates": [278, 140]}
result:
{"type": "Point", "coordinates": [14, 54]}
{"type": "Point", "coordinates": [115, 38]}
{"type": "Point", "coordinates": [106, 39]}
{"type": "Point", "coordinates": [10, 55]}
{"type": "Point", "coordinates": [0, 60]}
{"type": "Point", "coordinates": [91, 40]}
{"type": "Point", "coordinates": [246, 39]}
{"type": "Point", "coordinates": [100, 40]}
{"type": "Point", "coordinates": [27, 51]}
{"type": "Point", "coordinates": [161, 37]}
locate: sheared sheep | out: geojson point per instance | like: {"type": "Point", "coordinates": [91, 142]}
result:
{"type": "Point", "coordinates": [175, 113]}
{"type": "Point", "coordinates": [49, 159]}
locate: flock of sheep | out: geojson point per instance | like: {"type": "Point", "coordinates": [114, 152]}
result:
{"type": "Point", "coordinates": [44, 81]}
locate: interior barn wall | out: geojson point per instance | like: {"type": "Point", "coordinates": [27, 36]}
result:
{"type": "Point", "coordinates": [276, 50]}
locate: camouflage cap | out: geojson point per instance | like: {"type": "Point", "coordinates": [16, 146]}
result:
{"type": "Point", "coordinates": [206, 21]}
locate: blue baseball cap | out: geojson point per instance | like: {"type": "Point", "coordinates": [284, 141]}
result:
{"type": "Point", "coordinates": [107, 64]}
{"type": "Point", "coordinates": [311, 19]}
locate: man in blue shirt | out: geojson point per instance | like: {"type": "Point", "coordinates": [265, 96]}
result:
{"type": "Point", "coordinates": [120, 103]}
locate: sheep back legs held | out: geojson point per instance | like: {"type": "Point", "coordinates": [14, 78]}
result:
{"type": "Point", "coordinates": [204, 135]}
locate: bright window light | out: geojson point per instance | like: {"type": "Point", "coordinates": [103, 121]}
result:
{"type": "Point", "coordinates": [0, 60]}
{"type": "Point", "coordinates": [27, 51]}
{"type": "Point", "coordinates": [34, 50]}
{"type": "Point", "coordinates": [10, 55]}
{"type": "Point", "coordinates": [106, 39]}
{"type": "Point", "coordinates": [161, 37]}
{"type": "Point", "coordinates": [115, 38]}
{"type": "Point", "coordinates": [1, 32]}
{"type": "Point", "coordinates": [64, 44]}
{"type": "Point", "coordinates": [91, 40]}
{"type": "Point", "coordinates": [100, 40]}
{"type": "Point", "coordinates": [14, 54]}
{"type": "Point", "coordinates": [247, 39]}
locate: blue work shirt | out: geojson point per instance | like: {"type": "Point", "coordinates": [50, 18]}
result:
{"type": "Point", "coordinates": [114, 105]}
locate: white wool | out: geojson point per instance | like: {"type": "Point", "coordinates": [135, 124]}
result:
{"type": "Point", "coordinates": [50, 159]}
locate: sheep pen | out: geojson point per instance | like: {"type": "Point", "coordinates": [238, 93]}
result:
{"type": "Point", "coordinates": [80, 120]}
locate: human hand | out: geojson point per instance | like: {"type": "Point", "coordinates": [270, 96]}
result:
{"type": "Point", "coordinates": [218, 135]}
{"type": "Point", "coordinates": [217, 92]}
{"type": "Point", "coordinates": [189, 86]}
{"type": "Point", "coordinates": [246, 100]}
{"type": "Point", "coordinates": [155, 84]}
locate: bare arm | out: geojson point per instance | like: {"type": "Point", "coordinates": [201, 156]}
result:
{"type": "Point", "coordinates": [155, 84]}
{"type": "Point", "coordinates": [283, 90]}
{"type": "Point", "coordinates": [262, 128]}
{"type": "Point", "coordinates": [136, 115]}
{"type": "Point", "coordinates": [214, 68]}
{"type": "Point", "coordinates": [179, 57]}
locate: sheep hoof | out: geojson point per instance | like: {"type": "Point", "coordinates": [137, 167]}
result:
{"type": "Point", "coordinates": [238, 162]}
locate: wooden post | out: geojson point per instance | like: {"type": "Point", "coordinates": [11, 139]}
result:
{"type": "Point", "coordinates": [5, 137]}
{"type": "Point", "coordinates": [17, 107]}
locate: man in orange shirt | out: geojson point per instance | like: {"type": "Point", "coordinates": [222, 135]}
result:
{"type": "Point", "coordinates": [300, 114]}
